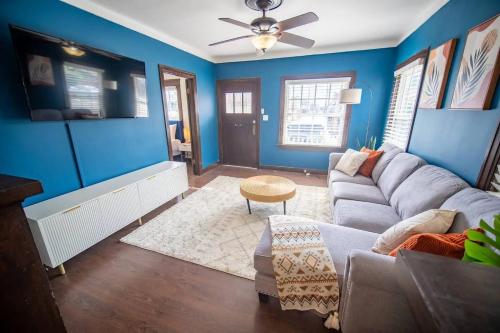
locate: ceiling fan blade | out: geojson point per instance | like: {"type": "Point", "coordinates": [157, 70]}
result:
{"type": "Point", "coordinates": [288, 38]}
{"type": "Point", "coordinates": [230, 40]}
{"type": "Point", "coordinates": [236, 22]}
{"type": "Point", "coordinates": [297, 21]}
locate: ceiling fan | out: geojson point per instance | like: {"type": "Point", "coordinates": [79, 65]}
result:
{"type": "Point", "coordinates": [267, 31]}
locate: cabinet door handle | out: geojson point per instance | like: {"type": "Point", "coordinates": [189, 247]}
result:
{"type": "Point", "coordinates": [119, 190]}
{"type": "Point", "coordinates": [71, 209]}
{"type": "Point", "coordinates": [152, 177]}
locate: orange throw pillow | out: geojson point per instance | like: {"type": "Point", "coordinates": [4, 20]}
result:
{"type": "Point", "coordinates": [448, 245]}
{"type": "Point", "coordinates": [367, 167]}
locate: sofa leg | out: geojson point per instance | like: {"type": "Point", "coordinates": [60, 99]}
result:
{"type": "Point", "coordinates": [263, 298]}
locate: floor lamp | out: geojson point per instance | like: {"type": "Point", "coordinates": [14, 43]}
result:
{"type": "Point", "coordinates": [353, 96]}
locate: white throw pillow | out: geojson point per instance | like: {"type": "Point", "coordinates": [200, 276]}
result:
{"type": "Point", "coordinates": [435, 221]}
{"type": "Point", "coordinates": [351, 161]}
{"type": "Point", "coordinates": [173, 129]}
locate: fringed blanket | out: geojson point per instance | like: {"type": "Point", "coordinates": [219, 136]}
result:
{"type": "Point", "coordinates": [304, 270]}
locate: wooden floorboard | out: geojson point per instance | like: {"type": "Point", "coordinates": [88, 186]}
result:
{"type": "Point", "coordinates": [115, 287]}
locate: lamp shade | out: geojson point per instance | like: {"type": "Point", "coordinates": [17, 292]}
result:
{"type": "Point", "coordinates": [350, 96]}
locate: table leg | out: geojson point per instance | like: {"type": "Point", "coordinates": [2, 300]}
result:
{"type": "Point", "coordinates": [248, 205]}
{"type": "Point", "coordinates": [284, 207]}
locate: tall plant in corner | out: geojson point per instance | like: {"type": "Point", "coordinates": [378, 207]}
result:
{"type": "Point", "coordinates": [474, 68]}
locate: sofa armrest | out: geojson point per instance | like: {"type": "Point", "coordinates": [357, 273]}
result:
{"type": "Point", "coordinates": [372, 299]}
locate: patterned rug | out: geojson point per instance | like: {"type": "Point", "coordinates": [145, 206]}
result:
{"type": "Point", "coordinates": [212, 227]}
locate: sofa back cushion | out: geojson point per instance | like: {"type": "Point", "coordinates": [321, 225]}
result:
{"type": "Point", "coordinates": [472, 205]}
{"type": "Point", "coordinates": [401, 166]}
{"type": "Point", "coordinates": [390, 151]}
{"type": "Point", "coordinates": [427, 188]}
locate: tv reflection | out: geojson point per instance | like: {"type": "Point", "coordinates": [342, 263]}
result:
{"type": "Point", "coordinates": [68, 81]}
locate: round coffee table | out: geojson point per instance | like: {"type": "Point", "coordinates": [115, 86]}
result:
{"type": "Point", "coordinates": [267, 189]}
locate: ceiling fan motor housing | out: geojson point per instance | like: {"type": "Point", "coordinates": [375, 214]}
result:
{"type": "Point", "coordinates": [263, 5]}
{"type": "Point", "coordinates": [264, 24]}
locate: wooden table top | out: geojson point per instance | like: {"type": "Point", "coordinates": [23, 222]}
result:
{"type": "Point", "coordinates": [267, 188]}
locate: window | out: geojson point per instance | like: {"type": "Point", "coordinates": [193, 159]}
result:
{"type": "Point", "coordinates": [311, 113]}
{"type": "Point", "coordinates": [140, 95]}
{"type": "Point", "coordinates": [173, 99]}
{"type": "Point", "coordinates": [405, 91]}
{"type": "Point", "coordinates": [84, 88]}
{"type": "Point", "coordinates": [239, 102]}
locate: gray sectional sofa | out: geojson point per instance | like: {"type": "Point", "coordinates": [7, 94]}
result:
{"type": "Point", "coordinates": [402, 185]}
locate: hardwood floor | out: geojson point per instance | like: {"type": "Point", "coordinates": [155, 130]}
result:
{"type": "Point", "coordinates": [115, 287]}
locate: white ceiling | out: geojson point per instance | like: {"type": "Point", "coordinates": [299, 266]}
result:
{"type": "Point", "coordinates": [191, 25]}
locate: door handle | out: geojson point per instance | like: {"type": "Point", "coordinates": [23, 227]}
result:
{"type": "Point", "coordinates": [253, 129]}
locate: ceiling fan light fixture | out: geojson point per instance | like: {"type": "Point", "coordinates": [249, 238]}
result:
{"type": "Point", "coordinates": [264, 42]}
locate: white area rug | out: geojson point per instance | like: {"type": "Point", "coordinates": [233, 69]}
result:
{"type": "Point", "coordinates": [212, 227]}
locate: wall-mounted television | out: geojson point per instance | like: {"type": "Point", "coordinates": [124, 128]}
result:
{"type": "Point", "coordinates": [65, 80]}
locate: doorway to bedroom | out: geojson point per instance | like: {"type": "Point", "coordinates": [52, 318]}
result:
{"type": "Point", "coordinates": [178, 89]}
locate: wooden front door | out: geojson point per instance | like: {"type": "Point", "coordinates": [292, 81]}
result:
{"type": "Point", "coordinates": [239, 105]}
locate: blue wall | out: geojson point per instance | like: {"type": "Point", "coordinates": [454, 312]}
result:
{"type": "Point", "coordinates": [457, 140]}
{"type": "Point", "coordinates": [105, 148]}
{"type": "Point", "coordinates": [373, 68]}
{"type": "Point", "coordinates": [454, 139]}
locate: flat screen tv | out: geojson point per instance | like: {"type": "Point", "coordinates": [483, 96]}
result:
{"type": "Point", "coordinates": [65, 80]}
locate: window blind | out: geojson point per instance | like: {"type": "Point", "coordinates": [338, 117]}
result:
{"type": "Point", "coordinates": [312, 114]}
{"type": "Point", "coordinates": [84, 87]}
{"type": "Point", "coordinates": [405, 91]}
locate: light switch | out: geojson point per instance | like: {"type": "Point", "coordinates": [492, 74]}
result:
{"type": "Point", "coordinates": [265, 117]}
{"type": "Point", "coordinates": [262, 110]}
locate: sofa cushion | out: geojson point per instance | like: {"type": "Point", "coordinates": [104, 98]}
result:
{"type": "Point", "coordinates": [339, 176]}
{"type": "Point", "coordinates": [448, 245]}
{"type": "Point", "coordinates": [365, 215]}
{"type": "Point", "coordinates": [425, 189]}
{"type": "Point", "coordinates": [472, 205]}
{"type": "Point", "coordinates": [390, 151]}
{"type": "Point", "coordinates": [339, 241]}
{"type": "Point", "coordinates": [350, 162]}
{"type": "Point", "coordinates": [366, 168]}
{"type": "Point", "coordinates": [397, 171]}
{"type": "Point", "coordinates": [358, 192]}
{"type": "Point", "coordinates": [436, 221]}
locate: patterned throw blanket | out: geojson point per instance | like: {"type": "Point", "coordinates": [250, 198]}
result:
{"type": "Point", "coordinates": [304, 270]}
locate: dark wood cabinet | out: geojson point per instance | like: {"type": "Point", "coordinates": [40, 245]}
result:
{"type": "Point", "coordinates": [27, 302]}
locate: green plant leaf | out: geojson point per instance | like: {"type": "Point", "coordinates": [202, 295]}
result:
{"type": "Point", "coordinates": [477, 236]}
{"type": "Point", "coordinates": [482, 254]}
{"type": "Point", "coordinates": [485, 226]}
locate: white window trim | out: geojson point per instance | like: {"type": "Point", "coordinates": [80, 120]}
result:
{"type": "Point", "coordinates": [311, 79]}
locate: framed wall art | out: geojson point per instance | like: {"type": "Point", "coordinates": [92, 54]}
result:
{"type": "Point", "coordinates": [479, 68]}
{"type": "Point", "coordinates": [436, 75]}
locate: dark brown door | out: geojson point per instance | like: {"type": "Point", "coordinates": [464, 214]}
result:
{"type": "Point", "coordinates": [239, 105]}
